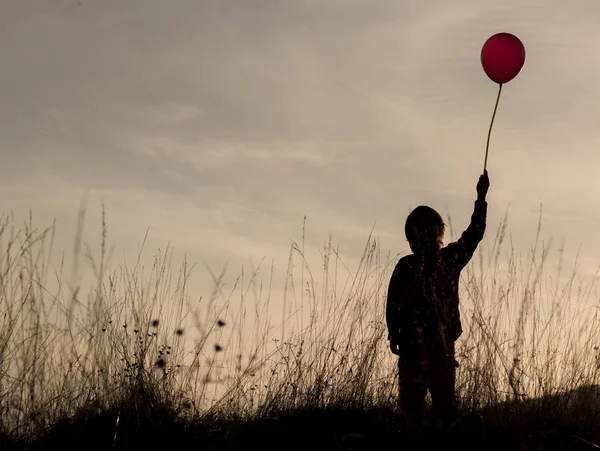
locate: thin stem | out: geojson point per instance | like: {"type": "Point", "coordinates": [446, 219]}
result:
{"type": "Point", "coordinates": [487, 147]}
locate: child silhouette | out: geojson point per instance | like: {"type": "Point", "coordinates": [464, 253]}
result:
{"type": "Point", "coordinates": [422, 313]}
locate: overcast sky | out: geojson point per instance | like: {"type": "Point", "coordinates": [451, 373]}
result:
{"type": "Point", "coordinates": [219, 124]}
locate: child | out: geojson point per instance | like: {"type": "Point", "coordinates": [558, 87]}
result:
{"type": "Point", "coordinates": [422, 309]}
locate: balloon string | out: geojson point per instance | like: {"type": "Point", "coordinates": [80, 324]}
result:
{"type": "Point", "coordinates": [487, 147]}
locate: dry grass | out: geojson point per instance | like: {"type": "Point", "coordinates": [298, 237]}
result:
{"type": "Point", "coordinates": [136, 361]}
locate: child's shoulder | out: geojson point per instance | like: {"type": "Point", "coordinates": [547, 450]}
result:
{"type": "Point", "coordinates": [407, 258]}
{"type": "Point", "coordinates": [405, 262]}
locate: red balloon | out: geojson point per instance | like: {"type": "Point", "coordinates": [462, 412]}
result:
{"type": "Point", "coordinates": [502, 57]}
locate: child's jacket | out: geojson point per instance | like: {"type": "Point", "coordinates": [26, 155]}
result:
{"type": "Point", "coordinates": [422, 304]}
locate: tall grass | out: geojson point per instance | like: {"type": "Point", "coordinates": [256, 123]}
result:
{"type": "Point", "coordinates": [136, 341]}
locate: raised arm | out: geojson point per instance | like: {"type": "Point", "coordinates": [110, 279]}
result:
{"type": "Point", "coordinates": [464, 248]}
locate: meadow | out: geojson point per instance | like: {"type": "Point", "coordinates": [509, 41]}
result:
{"type": "Point", "coordinates": [133, 360]}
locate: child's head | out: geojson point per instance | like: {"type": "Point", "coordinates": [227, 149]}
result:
{"type": "Point", "coordinates": [424, 229]}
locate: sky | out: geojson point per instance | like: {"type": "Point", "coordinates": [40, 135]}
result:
{"type": "Point", "coordinates": [218, 125]}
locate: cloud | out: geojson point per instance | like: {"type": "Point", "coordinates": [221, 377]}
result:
{"type": "Point", "coordinates": [224, 123]}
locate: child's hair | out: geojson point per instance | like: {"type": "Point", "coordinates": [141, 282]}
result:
{"type": "Point", "coordinates": [424, 222]}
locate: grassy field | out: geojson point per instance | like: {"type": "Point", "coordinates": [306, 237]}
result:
{"type": "Point", "coordinates": [132, 361]}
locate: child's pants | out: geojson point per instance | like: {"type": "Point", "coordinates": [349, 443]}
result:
{"type": "Point", "coordinates": [438, 374]}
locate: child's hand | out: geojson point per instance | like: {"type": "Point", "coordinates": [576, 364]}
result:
{"type": "Point", "coordinates": [394, 347]}
{"type": "Point", "coordinates": [483, 185]}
